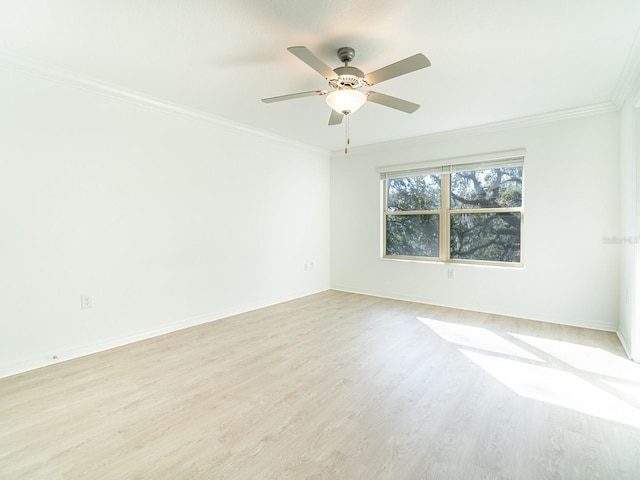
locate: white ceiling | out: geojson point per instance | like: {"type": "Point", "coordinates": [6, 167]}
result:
{"type": "Point", "coordinates": [492, 60]}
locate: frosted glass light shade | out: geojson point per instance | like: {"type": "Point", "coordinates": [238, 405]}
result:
{"type": "Point", "coordinates": [346, 101]}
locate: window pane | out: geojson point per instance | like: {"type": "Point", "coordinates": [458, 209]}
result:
{"type": "Point", "coordinates": [413, 193]}
{"type": "Point", "coordinates": [494, 188]}
{"type": "Point", "coordinates": [413, 235]}
{"type": "Point", "coordinates": [492, 237]}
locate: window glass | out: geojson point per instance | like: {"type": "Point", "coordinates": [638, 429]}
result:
{"type": "Point", "coordinates": [413, 235]}
{"type": "Point", "coordinates": [493, 188]}
{"type": "Point", "coordinates": [493, 237]}
{"type": "Point", "coordinates": [413, 193]}
{"type": "Point", "coordinates": [479, 215]}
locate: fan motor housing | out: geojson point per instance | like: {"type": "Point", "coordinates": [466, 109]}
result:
{"type": "Point", "coordinates": [346, 54]}
{"type": "Point", "coordinates": [351, 77]}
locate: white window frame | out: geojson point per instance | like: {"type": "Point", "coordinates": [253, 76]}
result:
{"type": "Point", "coordinates": [445, 168]}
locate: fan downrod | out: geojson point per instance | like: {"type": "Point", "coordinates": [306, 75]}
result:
{"type": "Point", "coordinates": [346, 54]}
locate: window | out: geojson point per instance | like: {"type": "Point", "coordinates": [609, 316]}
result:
{"type": "Point", "coordinates": [458, 212]}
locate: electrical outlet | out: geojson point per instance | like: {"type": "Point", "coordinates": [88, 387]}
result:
{"type": "Point", "coordinates": [451, 274]}
{"type": "Point", "coordinates": [85, 301]}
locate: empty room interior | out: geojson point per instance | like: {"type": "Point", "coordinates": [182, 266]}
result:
{"type": "Point", "coordinates": [320, 240]}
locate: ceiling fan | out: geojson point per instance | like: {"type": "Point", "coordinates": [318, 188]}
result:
{"type": "Point", "coordinates": [346, 82]}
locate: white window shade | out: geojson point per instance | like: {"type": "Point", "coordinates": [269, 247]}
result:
{"type": "Point", "coordinates": [510, 158]}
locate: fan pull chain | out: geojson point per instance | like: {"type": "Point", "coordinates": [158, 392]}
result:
{"type": "Point", "coordinates": [347, 139]}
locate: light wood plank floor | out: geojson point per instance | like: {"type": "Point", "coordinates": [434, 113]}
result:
{"type": "Point", "coordinates": [334, 386]}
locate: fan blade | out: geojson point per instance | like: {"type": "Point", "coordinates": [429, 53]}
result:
{"type": "Point", "coordinates": [294, 95]}
{"type": "Point", "coordinates": [393, 102]}
{"type": "Point", "coordinates": [408, 65]}
{"type": "Point", "coordinates": [304, 54]}
{"type": "Point", "coordinates": [335, 118]}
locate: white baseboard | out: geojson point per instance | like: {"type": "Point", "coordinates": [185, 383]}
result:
{"type": "Point", "coordinates": [607, 327]}
{"type": "Point", "coordinates": [625, 344]}
{"type": "Point", "coordinates": [45, 359]}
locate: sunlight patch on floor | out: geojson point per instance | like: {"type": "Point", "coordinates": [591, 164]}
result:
{"type": "Point", "coordinates": [589, 359]}
{"type": "Point", "coordinates": [476, 337]}
{"type": "Point", "coordinates": [582, 378]}
{"type": "Point", "coordinates": [631, 391]}
{"type": "Point", "coordinates": [557, 387]}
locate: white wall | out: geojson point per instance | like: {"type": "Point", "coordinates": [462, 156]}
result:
{"type": "Point", "coordinates": [629, 330]}
{"type": "Point", "coordinates": [166, 221]}
{"type": "Point", "coordinates": [571, 197]}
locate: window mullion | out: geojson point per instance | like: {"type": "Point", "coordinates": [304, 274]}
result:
{"type": "Point", "coordinates": [445, 206]}
{"type": "Point", "coordinates": [413, 212]}
{"type": "Point", "coordinates": [463, 211]}
{"type": "Point", "coordinates": [384, 186]}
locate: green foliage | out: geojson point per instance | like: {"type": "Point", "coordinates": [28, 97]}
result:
{"type": "Point", "coordinates": [493, 188]}
{"type": "Point", "coordinates": [473, 236]}
{"type": "Point", "coordinates": [492, 237]}
{"type": "Point", "coordinates": [510, 198]}
{"type": "Point", "coordinates": [413, 235]}
{"type": "Point", "coordinates": [413, 193]}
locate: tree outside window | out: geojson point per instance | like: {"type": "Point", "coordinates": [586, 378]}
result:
{"type": "Point", "coordinates": [472, 215]}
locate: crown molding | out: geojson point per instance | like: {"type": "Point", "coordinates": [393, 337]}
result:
{"type": "Point", "coordinates": [566, 114]}
{"type": "Point", "coordinates": [52, 73]}
{"type": "Point", "coordinates": [629, 83]}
